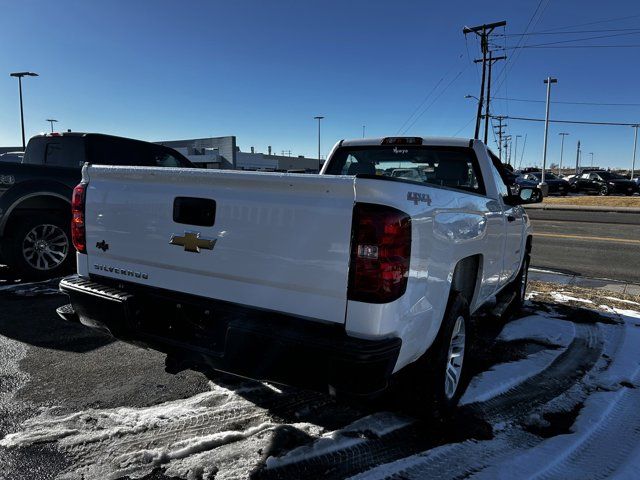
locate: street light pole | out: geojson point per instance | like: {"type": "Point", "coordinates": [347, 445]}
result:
{"type": "Point", "coordinates": [19, 76]}
{"type": "Point", "coordinates": [363, 126]}
{"type": "Point", "coordinates": [319, 118]}
{"type": "Point", "coordinates": [591, 153]}
{"type": "Point", "coordinates": [635, 144]}
{"type": "Point", "coordinates": [51, 121]}
{"type": "Point", "coordinates": [561, 151]}
{"type": "Point", "coordinates": [543, 185]}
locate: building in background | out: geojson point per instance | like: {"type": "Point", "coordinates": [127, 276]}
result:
{"type": "Point", "coordinates": [223, 152]}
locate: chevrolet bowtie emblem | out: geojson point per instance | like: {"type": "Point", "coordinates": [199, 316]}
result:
{"type": "Point", "coordinates": [192, 242]}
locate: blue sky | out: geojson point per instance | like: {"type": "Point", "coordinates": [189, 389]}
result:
{"type": "Point", "coordinates": [259, 70]}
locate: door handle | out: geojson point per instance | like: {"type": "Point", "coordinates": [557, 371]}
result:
{"type": "Point", "coordinates": [511, 218]}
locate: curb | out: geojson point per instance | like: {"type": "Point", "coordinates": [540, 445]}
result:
{"type": "Point", "coordinates": [584, 208]}
{"type": "Point", "coordinates": [614, 286]}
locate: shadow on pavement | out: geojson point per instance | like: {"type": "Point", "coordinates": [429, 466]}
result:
{"type": "Point", "coordinates": [28, 314]}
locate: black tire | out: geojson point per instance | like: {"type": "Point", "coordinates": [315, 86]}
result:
{"type": "Point", "coordinates": [604, 191]}
{"type": "Point", "coordinates": [519, 285]}
{"type": "Point", "coordinates": [47, 232]}
{"type": "Point", "coordinates": [428, 391]}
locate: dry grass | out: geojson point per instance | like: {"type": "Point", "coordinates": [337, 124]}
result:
{"type": "Point", "coordinates": [544, 291]}
{"type": "Point", "coordinates": [594, 201]}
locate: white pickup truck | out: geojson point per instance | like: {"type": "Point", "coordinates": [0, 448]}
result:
{"type": "Point", "coordinates": [334, 281]}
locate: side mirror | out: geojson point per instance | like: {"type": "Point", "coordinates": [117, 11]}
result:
{"type": "Point", "coordinates": [526, 196]}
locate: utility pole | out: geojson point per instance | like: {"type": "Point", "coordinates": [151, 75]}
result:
{"type": "Point", "coordinates": [515, 154]}
{"type": "Point", "coordinates": [543, 185]}
{"type": "Point", "coordinates": [635, 144]}
{"type": "Point", "coordinates": [487, 112]}
{"type": "Point", "coordinates": [319, 118]}
{"type": "Point", "coordinates": [591, 153]}
{"type": "Point", "coordinates": [500, 127]}
{"type": "Point", "coordinates": [507, 142]}
{"type": "Point", "coordinates": [483, 31]}
{"type": "Point", "coordinates": [523, 147]}
{"type": "Point", "coordinates": [578, 158]}
{"type": "Point", "coordinates": [562, 134]}
{"type": "Point", "coordinates": [363, 127]}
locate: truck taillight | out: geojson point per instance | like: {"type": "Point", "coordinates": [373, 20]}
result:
{"type": "Point", "coordinates": [78, 232]}
{"type": "Point", "coordinates": [380, 252]}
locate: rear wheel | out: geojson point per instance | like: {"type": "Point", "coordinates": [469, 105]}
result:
{"type": "Point", "coordinates": [40, 246]}
{"type": "Point", "coordinates": [440, 376]}
{"type": "Point", "coordinates": [604, 191]}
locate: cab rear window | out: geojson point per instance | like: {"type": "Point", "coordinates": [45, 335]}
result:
{"type": "Point", "coordinates": [452, 167]}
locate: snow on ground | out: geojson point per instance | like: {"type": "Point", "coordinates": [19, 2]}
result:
{"type": "Point", "coordinates": [221, 433]}
{"type": "Point", "coordinates": [504, 376]}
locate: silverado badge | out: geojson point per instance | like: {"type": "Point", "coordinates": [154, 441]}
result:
{"type": "Point", "coordinates": [192, 242]}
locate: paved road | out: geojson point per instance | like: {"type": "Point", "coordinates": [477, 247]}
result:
{"type": "Point", "coordinates": [593, 244]}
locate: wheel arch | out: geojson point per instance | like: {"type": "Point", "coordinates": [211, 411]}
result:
{"type": "Point", "coordinates": [36, 201]}
{"type": "Point", "coordinates": [466, 276]}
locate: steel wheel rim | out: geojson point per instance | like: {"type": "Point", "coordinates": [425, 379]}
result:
{"type": "Point", "coordinates": [45, 247]}
{"type": "Point", "coordinates": [455, 358]}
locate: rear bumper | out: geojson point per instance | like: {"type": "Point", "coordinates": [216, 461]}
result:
{"type": "Point", "coordinates": [202, 333]}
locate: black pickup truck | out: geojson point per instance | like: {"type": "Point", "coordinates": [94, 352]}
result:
{"type": "Point", "coordinates": [35, 195]}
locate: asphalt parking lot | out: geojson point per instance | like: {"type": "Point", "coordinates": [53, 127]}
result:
{"type": "Point", "coordinates": [76, 404]}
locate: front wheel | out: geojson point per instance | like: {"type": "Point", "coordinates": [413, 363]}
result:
{"type": "Point", "coordinates": [40, 246]}
{"type": "Point", "coordinates": [519, 285]}
{"type": "Point", "coordinates": [440, 376]}
{"type": "Point", "coordinates": [604, 191]}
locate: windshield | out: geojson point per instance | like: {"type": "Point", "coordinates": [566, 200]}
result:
{"type": "Point", "coordinates": [452, 167]}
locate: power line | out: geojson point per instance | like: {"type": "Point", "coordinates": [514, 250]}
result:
{"type": "Point", "coordinates": [573, 40]}
{"type": "Point", "coordinates": [431, 92]}
{"type": "Point", "coordinates": [591, 23]}
{"type": "Point", "coordinates": [579, 122]}
{"type": "Point", "coordinates": [433, 101]}
{"type": "Point", "coordinates": [589, 46]}
{"type": "Point", "coordinates": [508, 65]}
{"type": "Point", "coordinates": [570, 103]}
{"type": "Point", "coordinates": [568, 33]}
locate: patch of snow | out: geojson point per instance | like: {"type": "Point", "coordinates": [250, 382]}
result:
{"type": "Point", "coordinates": [621, 300]}
{"type": "Point", "coordinates": [539, 327]}
{"type": "Point", "coordinates": [562, 298]}
{"type": "Point", "coordinates": [502, 377]}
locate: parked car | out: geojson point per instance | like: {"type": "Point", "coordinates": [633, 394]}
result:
{"type": "Point", "coordinates": [335, 281]}
{"type": "Point", "coordinates": [35, 195]}
{"type": "Point", "coordinates": [603, 183]}
{"type": "Point", "coordinates": [11, 157]}
{"type": "Point", "coordinates": [521, 182]}
{"type": "Point", "coordinates": [556, 185]}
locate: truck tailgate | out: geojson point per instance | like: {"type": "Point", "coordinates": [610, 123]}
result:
{"type": "Point", "coordinates": [278, 241]}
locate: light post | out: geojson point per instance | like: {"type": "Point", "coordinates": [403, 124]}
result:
{"type": "Point", "coordinates": [635, 144]}
{"type": "Point", "coordinates": [52, 121]}
{"type": "Point", "coordinates": [591, 153]}
{"type": "Point", "coordinates": [543, 185]}
{"type": "Point", "coordinates": [363, 127]}
{"type": "Point", "coordinates": [19, 75]}
{"type": "Point", "coordinates": [319, 118]}
{"type": "Point", "coordinates": [562, 134]}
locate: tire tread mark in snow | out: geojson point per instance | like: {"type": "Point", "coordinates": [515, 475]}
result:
{"type": "Point", "coordinates": [199, 424]}
{"type": "Point", "coordinates": [579, 357]}
{"type": "Point", "coordinates": [569, 367]}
